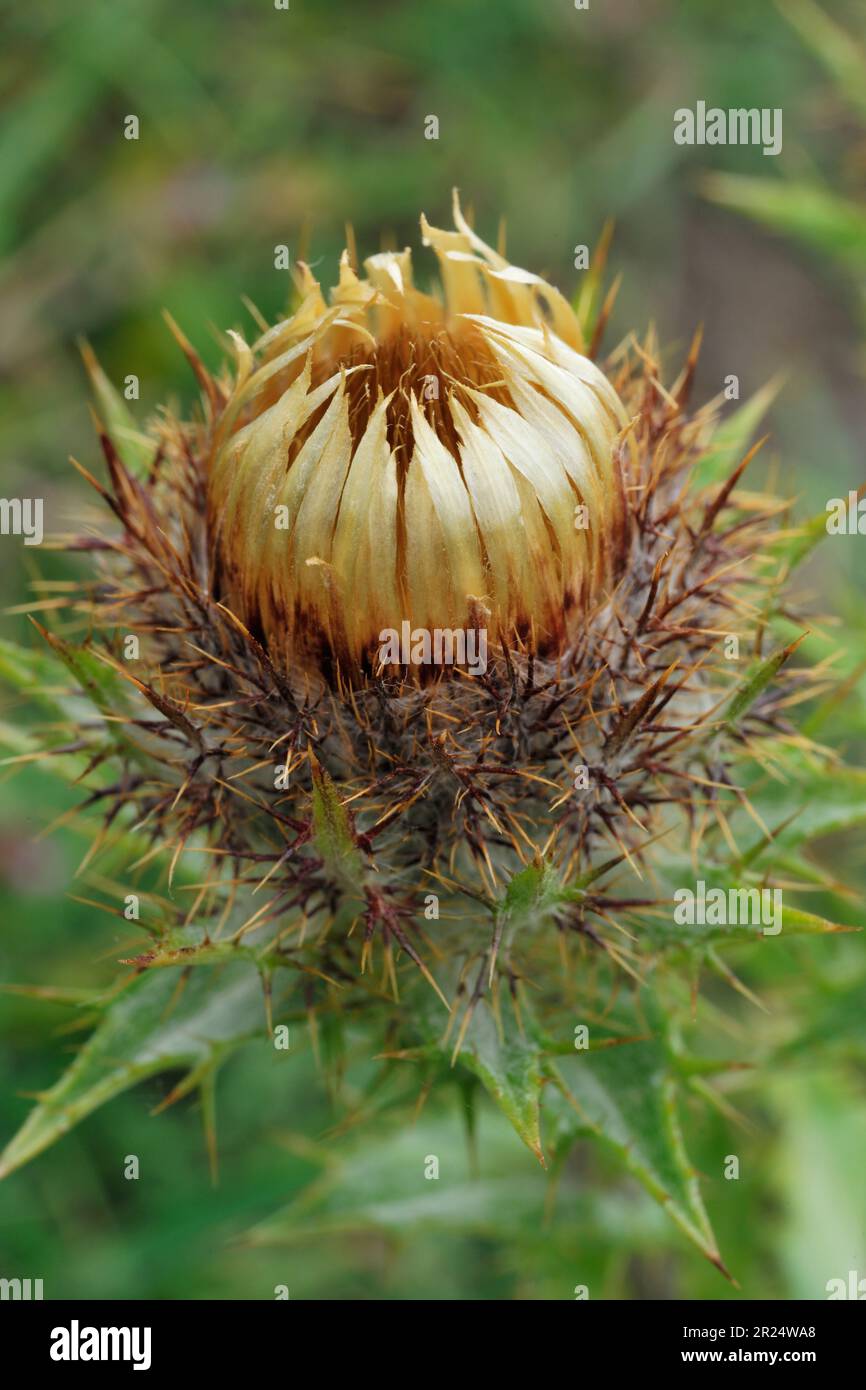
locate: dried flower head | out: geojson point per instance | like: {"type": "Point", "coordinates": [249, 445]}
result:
{"type": "Point", "coordinates": [394, 457]}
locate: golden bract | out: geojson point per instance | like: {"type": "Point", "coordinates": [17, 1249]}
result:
{"type": "Point", "coordinates": [391, 457]}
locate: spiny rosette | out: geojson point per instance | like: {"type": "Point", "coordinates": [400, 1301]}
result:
{"type": "Point", "coordinates": [429, 608]}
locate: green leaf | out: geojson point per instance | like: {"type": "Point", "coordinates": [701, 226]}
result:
{"type": "Point", "coordinates": [22, 746]}
{"type": "Point", "coordinates": [756, 680]}
{"type": "Point", "coordinates": [503, 1051]}
{"type": "Point", "coordinates": [810, 802]}
{"type": "Point", "coordinates": [333, 835]}
{"type": "Point", "coordinates": [731, 440]}
{"type": "Point", "coordinates": [533, 890]}
{"type": "Point", "coordinates": [794, 548]}
{"type": "Point", "coordinates": [376, 1181]}
{"type": "Point", "coordinates": [192, 945]}
{"type": "Point", "coordinates": [626, 1097]}
{"type": "Point", "coordinates": [123, 845]}
{"type": "Point", "coordinates": [103, 686]}
{"type": "Point", "coordinates": [106, 689]}
{"type": "Point", "coordinates": [837, 1026]}
{"type": "Point", "coordinates": [664, 933]}
{"type": "Point", "coordinates": [530, 899]}
{"type": "Point", "coordinates": [155, 1025]}
{"type": "Point", "coordinates": [44, 678]}
{"type": "Point", "coordinates": [820, 1131]}
{"type": "Point", "coordinates": [500, 1048]}
{"type": "Point", "coordinates": [38, 674]}
{"type": "Point", "coordinates": [824, 221]}
{"type": "Point", "coordinates": [796, 922]}
{"type": "Point", "coordinates": [833, 46]}
{"type": "Point", "coordinates": [135, 450]}
{"type": "Point", "coordinates": [508, 1064]}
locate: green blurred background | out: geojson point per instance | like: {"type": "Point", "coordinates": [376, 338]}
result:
{"type": "Point", "coordinates": [260, 127]}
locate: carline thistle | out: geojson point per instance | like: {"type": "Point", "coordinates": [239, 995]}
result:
{"type": "Point", "coordinates": [464, 468]}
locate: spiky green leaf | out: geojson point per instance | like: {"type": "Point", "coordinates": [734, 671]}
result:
{"type": "Point", "coordinates": [156, 1025]}
{"type": "Point", "coordinates": [756, 681]}
{"type": "Point", "coordinates": [508, 1063]}
{"type": "Point", "coordinates": [733, 437]}
{"type": "Point", "coordinates": [626, 1097]}
{"type": "Point", "coordinates": [135, 449]}
{"type": "Point", "coordinates": [333, 835]}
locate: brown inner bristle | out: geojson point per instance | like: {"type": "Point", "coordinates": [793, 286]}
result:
{"type": "Point", "coordinates": [399, 364]}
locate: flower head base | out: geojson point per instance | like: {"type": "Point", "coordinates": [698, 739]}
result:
{"type": "Point", "coordinates": [394, 458]}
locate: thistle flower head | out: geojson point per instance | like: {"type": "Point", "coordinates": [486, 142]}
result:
{"type": "Point", "coordinates": [390, 459]}
{"type": "Point", "coordinates": [393, 457]}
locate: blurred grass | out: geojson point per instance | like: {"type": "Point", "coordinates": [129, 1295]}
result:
{"type": "Point", "coordinates": [261, 127]}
